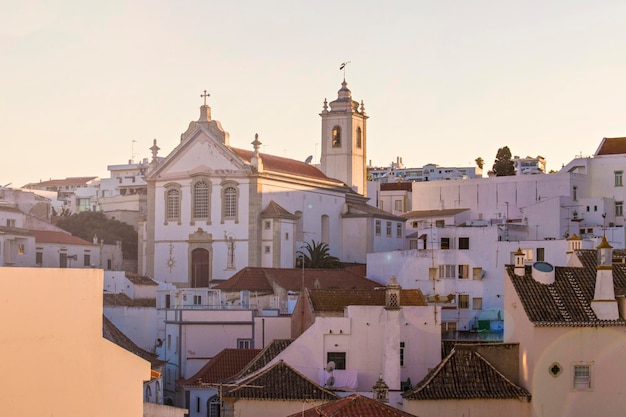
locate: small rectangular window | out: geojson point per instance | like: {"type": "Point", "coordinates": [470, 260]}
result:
{"type": "Point", "coordinates": [463, 301]}
{"type": "Point", "coordinates": [388, 229]}
{"type": "Point", "coordinates": [39, 258]}
{"type": "Point", "coordinates": [338, 357]}
{"type": "Point", "coordinates": [619, 178]}
{"type": "Point", "coordinates": [445, 243]}
{"type": "Point", "coordinates": [268, 224]}
{"type": "Point", "coordinates": [268, 249]}
{"type": "Point", "coordinates": [377, 227]}
{"type": "Point", "coordinates": [244, 343]}
{"type": "Point", "coordinates": [399, 205]}
{"type": "Point", "coordinates": [398, 230]}
{"type": "Point", "coordinates": [10, 222]}
{"type": "Point", "coordinates": [541, 255]}
{"type": "Point", "coordinates": [413, 244]}
{"type": "Point", "coordinates": [477, 303]}
{"type": "Point", "coordinates": [464, 243]}
{"type": "Point", "coordinates": [464, 271]}
{"type": "Point", "coordinates": [402, 353]}
{"type": "Point", "coordinates": [582, 376]}
{"type": "Point", "coordinates": [20, 249]}
{"type": "Point", "coordinates": [619, 208]}
{"type": "Point", "coordinates": [440, 223]}
{"type": "Point", "coordinates": [197, 300]}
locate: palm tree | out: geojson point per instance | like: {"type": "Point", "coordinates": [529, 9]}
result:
{"type": "Point", "coordinates": [318, 256]}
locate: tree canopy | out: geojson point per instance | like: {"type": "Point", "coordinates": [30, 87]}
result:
{"type": "Point", "coordinates": [480, 162]}
{"type": "Point", "coordinates": [317, 255]}
{"type": "Point", "coordinates": [503, 165]}
{"type": "Point", "coordinates": [88, 224]}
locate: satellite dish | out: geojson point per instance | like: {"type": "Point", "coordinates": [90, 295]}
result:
{"type": "Point", "coordinates": [308, 159]}
{"type": "Point", "coordinates": [330, 381]}
{"type": "Point", "coordinates": [330, 366]}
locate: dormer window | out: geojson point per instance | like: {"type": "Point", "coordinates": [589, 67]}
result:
{"type": "Point", "coordinates": [336, 137]}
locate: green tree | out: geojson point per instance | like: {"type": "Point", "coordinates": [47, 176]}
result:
{"type": "Point", "coordinates": [503, 165]}
{"type": "Point", "coordinates": [88, 224]}
{"type": "Point", "coordinates": [480, 162]}
{"type": "Point", "coordinates": [317, 255]}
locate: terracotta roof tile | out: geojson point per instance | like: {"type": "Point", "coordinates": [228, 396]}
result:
{"type": "Point", "coordinates": [612, 146]}
{"type": "Point", "coordinates": [262, 279]}
{"type": "Point", "coordinates": [280, 382]}
{"type": "Point", "coordinates": [119, 300]}
{"type": "Point", "coordinates": [284, 165]}
{"type": "Point", "coordinates": [274, 210]}
{"type": "Point", "coordinates": [396, 186]}
{"type": "Point", "coordinates": [264, 357]}
{"type": "Point", "coordinates": [221, 367]}
{"type": "Point", "coordinates": [432, 213]}
{"type": "Point", "coordinates": [338, 299]}
{"type": "Point", "coordinates": [66, 182]}
{"type": "Point", "coordinates": [567, 301]}
{"type": "Point", "coordinates": [52, 236]}
{"type": "Point", "coordinates": [140, 279]}
{"type": "Point", "coordinates": [353, 405]}
{"type": "Point", "coordinates": [465, 374]}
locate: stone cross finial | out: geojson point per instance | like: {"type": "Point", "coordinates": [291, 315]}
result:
{"type": "Point", "coordinates": [205, 95]}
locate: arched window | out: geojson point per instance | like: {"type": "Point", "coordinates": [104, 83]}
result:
{"type": "Point", "coordinates": [230, 202]}
{"type": "Point", "coordinates": [359, 141]}
{"type": "Point", "coordinates": [172, 204]}
{"type": "Point", "coordinates": [336, 137]}
{"type": "Point", "coordinates": [148, 393]}
{"type": "Point", "coordinates": [200, 200]}
{"type": "Point", "coordinates": [214, 406]}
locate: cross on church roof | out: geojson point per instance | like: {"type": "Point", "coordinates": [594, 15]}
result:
{"type": "Point", "coordinates": [205, 95]}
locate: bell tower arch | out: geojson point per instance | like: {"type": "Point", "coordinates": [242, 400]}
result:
{"type": "Point", "coordinates": [344, 140]}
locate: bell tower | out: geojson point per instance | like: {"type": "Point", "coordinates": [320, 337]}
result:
{"type": "Point", "coordinates": [344, 140]}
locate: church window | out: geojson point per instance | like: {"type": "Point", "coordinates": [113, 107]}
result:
{"type": "Point", "coordinates": [336, 137]}
{"type": "Point", "coordinates": [230, 205]}
{"type": "Point", "coordinates": [172, 203]}
{"type": "Point", "coordinates": [359, 141]}
{"type": "Point", "coordinates": [201, 200]}
{"type": "Point", "coordinates": [377, 227]}
{"type": "Point", "coordinates": [388, 229]}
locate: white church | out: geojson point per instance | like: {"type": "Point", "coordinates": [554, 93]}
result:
{"type": "Point", "coordinates": [214, 209]}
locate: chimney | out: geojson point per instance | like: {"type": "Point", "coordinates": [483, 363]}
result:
{"type": "Point", "coordinates": [574, 243]}
{"type": "Point", "coordinates": [520, 268]}
{"type": "Point", "coordinates": [604, 303]}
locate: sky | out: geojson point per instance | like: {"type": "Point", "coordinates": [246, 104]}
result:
{"type": "Point", "coordinates": [84, 85]}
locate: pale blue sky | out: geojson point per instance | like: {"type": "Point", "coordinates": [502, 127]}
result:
{"type": "Point", "coordinates": [443, 81]}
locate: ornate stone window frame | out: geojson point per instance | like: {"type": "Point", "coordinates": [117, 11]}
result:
{"type": "Point", "coordinates": [167, 216]}
{"type": "Point", "coordinates": [194, 183]}
{"type": "Point", "coordinates": [226, 186]}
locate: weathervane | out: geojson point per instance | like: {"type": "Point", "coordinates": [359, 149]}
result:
{"type": "Point", "coordinates": [342, 67]}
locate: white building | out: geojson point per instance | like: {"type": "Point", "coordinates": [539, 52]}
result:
{"type": "Point", "coordinates": [397, 172]}
{"type": "Point", "coordinates": [214, 208]}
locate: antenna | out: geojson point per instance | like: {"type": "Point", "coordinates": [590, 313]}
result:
{"type": "Point", "coordinates": [308, 159]}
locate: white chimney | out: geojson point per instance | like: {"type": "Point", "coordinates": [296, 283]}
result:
{"type": "Point", "coordinates": [604, 303]}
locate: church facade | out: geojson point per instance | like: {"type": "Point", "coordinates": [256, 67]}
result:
{"type": "Point", "coordinates": [214, 209]}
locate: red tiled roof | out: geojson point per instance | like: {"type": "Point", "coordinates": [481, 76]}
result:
{"type": "Point", "coordinates": [280, 382]}
{"type": "Point", "coordinates": [353, 405]}
{"type": "Point", "coordinates": [284, 165]}
{"type": "Point", "coordinates": [432, 213]}
{"type": "Point", "coordinates": [338, 299]}
{"type": "Point", "coordinates": [51, 236]}
{"type": "Point", "coordinates": [275, 210]}
{"type": "Point", "coordinates": [67, 182]}
{"type": "Point", "coordinates": [396, 186]}
{"type": "Point", "coordinates": [612, 146]}
{"type": "Point", "coordinates": [224, 365]}
{"type": "Point", "coordinates": [261, 279]}
{"type": "Point", "coordinates": [465, 375]}
{"type": "Point", "coordinates": [268, 353]}
{"type": "Point", "coordinates": [566, 301]}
